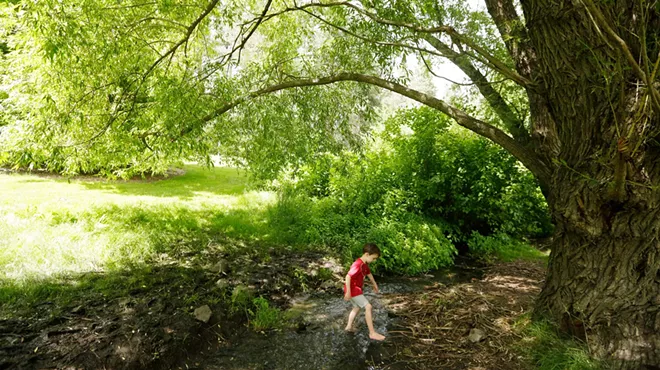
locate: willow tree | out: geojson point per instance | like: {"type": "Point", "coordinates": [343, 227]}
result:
{"type": "Point", "coordinates": [571, 88]}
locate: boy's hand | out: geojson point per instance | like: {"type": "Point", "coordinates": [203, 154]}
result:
{"type": "Point", "coordinates": [376, 289]}
{"type": "Point", "coordinates": [347, 296]}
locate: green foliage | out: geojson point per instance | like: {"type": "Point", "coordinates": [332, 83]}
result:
{"type": "Point", "coordinates": [425, 167]}
{"type": "Point", "coordinates": [152, 93]}
{"type": "Point", "coordinates": [409, 243]}
{"type": "Point", "coordinates": [423, 187]}
{"type": "Point", "coordinates": [263, 316]}
{"type": "Point", "coordinates": [411, 246]}
{"type": "Point", "coordinates": [456, 175]}
{"type": "Point", "coordinates": [125, 110]}
{"type": "Point", "coordinates": [324, 274]}
{"type": "Point", "coordinates": [301, 275]}
{"type": "Point", "coordinates": [543, 346]}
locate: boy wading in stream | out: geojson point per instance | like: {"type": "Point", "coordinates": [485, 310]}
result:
{"type": "Point", "coordinates": [353, 288]}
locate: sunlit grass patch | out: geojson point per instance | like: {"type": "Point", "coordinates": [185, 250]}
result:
{"type": "Point", "coordinates": [504, 248]}
{"type": "Point", "coordinates": [521, 251]}
{"type": "Point", "coordinates": [50, 225]}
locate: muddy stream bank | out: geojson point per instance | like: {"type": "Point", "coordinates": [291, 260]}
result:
{"type": "Point", "coordinates": [317, 339]}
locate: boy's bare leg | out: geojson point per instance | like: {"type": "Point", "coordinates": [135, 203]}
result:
{"type": "Point", "coordinates": [370, 324]}
{"type": "Point", "coordinates": [351, 317]}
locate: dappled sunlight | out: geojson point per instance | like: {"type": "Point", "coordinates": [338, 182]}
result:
{"type": "Point", "coordinates": [514, 283]}
{"type": "Point", "coordinates": [503, 324]}
{"type": "Point", "coordinates": [473, 320]}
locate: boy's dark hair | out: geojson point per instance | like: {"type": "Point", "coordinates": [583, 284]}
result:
{"type": "Point", "coordinates": [371, 248]}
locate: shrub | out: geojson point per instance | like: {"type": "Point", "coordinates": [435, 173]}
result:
{"type": "Point", "coordinates": [420, 188]}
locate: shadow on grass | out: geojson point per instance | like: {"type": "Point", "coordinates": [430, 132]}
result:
{"type": "Point", "coordinates": [194, 181]}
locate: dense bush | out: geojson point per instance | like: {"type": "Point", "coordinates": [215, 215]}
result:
{"type": "Point", "coordinates": [410, 243]}
{"type": "Point", "coordinates": [423, 187]}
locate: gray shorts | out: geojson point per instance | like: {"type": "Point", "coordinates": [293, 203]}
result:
{"type": "Point", "coordinates": [359, 301]}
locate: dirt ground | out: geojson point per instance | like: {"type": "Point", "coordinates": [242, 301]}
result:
{"type": "Point", "coordinates": [464, 326]}
{"type": "Point", "coordinates": [155, 328]}
{"type": "Point", "coordinates": [152, 327]}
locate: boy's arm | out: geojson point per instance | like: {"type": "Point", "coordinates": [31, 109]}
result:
{"type": "Point", "coordinates": [373, 282]}
{"type": "Point", "coordinates": [347, 295]}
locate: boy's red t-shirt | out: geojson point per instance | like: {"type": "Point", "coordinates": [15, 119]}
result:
{"type": "Point", "coordinates": [358, 271]}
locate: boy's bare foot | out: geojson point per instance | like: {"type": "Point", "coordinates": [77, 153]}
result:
{"type": "Point", "coordinates": [376, 336]}
{"type": "Point", "coordinates": [349, 329]}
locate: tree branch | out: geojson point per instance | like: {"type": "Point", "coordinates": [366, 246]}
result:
{"type": "Point", "coordinates": [528, 158]}
{"type": "Point", "coordinates": [493, 62]}
{"type": "Point", "coordinates": [382, 43]}
{"type": "Point", "coordinates": [246, 38]}
{"type": "Point", "coordinates": [513, 33]}
{"type": "Point", "coordinates": [429, 68]}
{"type": "Point", "coordinates": [185, 38]}
{"type": "Point", "coordinates": [515, 126]}
{"type": "Point", "coordinates": [495, 100]}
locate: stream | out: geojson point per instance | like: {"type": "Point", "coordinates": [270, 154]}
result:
{"type": "Point", "coordinates": [320, 342]}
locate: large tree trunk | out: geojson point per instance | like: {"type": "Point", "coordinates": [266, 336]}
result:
{"type": "Point", "coordinates": [604, 283]}
{"type": "Point", "coordinates": [593, 111]}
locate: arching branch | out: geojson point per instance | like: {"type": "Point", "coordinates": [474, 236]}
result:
{"type": "Point", "coordinates": [375, 42]}
{"type": "Point", "coordinates": [528, 158]}
{"type": "Point", "coordinates": [245, 39]}
{"type": "Point", "coordinates": [491, 60]}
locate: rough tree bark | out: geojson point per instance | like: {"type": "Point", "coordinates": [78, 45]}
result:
{"type": "Point", "coordinates": [604, 277]}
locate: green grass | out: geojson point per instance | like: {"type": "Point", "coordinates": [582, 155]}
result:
{"type": "Point", "coordinates": [66, 240]}
{"type": "Point", "coordinates": [504, 248]}
{"type": "Point", "coordinates": [546, 349]}
{"type": "Point", "coordinates": [521, 251]}
{"type": "Point", "coordinates": [264, 316]}
{"type": "Point", "coordinates": [63, 292]}
{"type": "Point", "coordinates": [50, 226]}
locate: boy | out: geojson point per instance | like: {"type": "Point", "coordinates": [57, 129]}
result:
{"type": "Point", "coordinates": [353, 288]}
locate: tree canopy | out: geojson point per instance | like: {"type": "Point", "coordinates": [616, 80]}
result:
{"type": "Point", "coordinates": [126, 87]}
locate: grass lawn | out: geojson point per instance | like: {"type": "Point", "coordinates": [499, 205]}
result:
{"type": "Point", "coordinates": [49, 225]}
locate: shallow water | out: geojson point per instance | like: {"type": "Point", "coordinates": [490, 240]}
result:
{"type": "Point", "coordinates": [320, 341]}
